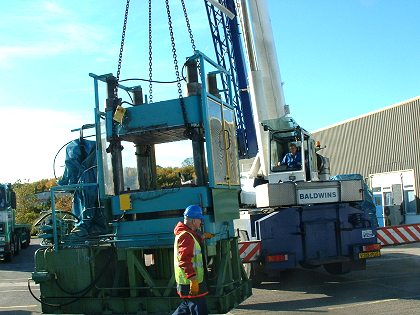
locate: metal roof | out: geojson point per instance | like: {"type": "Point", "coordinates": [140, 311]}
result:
{"type": "Point", "coordinates": [368, 114]}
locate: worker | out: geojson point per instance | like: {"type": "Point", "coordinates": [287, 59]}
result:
{"type": "Point", "coordinates": [189, 263]}
{"type": "Point", "coordinates": [293, 159]}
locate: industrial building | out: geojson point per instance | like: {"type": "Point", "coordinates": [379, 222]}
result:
{"type": "Point", "coordinates": [384, 147]}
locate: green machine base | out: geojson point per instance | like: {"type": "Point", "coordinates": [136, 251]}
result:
{"type": "Point", "coordinates": [103, 279]}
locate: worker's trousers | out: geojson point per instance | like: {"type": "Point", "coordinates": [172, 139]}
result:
{"type": "Point", "coordinates": [196, 306]}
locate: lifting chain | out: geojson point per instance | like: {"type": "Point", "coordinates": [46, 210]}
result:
{"type": "Point", "coordinates": [150, 54]}
{"type": "Point", "coordinates": [187, 20]}
{"type": "Point", "coordinates": [178, 80]}
{"type": "Point", "coordinates": [127, 6]}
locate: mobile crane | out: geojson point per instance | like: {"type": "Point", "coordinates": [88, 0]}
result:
{"type": "Point", "coordinates": [290, 216]}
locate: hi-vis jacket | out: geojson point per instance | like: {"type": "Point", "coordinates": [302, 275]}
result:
{"type": "Point", "coordinates": [188, 261]}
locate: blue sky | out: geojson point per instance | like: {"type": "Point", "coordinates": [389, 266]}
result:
{"type": "Point", "coordinates": [338, 60]}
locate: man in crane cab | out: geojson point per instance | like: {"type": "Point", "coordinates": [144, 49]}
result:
{"type": "Point", "coordinates": [189, 263]}
{"type": "Point", "coordinates": [293, 159]}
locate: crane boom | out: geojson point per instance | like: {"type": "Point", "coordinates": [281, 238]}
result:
{"type": "Point", "coordinates": [259, 84]}
{"type": "Point", "coordinates": [229, 54]}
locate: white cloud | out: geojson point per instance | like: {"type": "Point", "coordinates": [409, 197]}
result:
{"type": "Point", "coordinates": [32, 137]}
{"type": "Point", "coordinates": [173, 153]}
{"type": "Point", "coordinates": [53, 8]}
{"type": "Point", "coordinates": [30, 140]}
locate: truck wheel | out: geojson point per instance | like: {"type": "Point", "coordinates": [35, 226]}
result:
{"type": "Point", "coordinates": [251, 270]}
{"type": "Point", "coordinates": [9, 256]}
{"type": "Point", "coordinates": [17, 245]}
{"type": "Point", "coordinates": [337, 268]}
{"type": "Point", "coordinates": [257, 274]}
{"type": "Point", "coordinates": [28, 239]}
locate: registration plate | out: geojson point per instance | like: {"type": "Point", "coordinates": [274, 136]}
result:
{"type": "Point", "coordinates": [370, 254]}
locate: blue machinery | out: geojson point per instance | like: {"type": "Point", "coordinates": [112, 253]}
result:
{"type": "Point", "coordinates": [228, 47]}
{"type": "Point", "coordinates": [128, 269]}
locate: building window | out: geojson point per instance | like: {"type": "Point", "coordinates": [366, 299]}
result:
{"type": "Point", "coordinates": [388, 198]}
{"type": "Point", "coordinates": [376, 189]}
{"type": "Point", "coordinates": [410, 202]}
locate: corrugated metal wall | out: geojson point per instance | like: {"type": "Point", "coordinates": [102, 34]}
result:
{"type": "Point", "coordinates": [383, 141]}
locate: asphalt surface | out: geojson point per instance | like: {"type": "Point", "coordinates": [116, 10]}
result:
{"type": "Point", "coordinates": [14, 295]}
{"type": "Point", "coordinates": [390, 285]}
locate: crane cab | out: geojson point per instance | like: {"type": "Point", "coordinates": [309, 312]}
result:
{"type": "Point", "coordinates": [292, 152]}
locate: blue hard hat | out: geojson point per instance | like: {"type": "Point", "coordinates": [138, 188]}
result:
{"type": "Point", "coordinates": [194, 212]}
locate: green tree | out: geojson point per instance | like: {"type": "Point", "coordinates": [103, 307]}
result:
{"type": "Point", "coordinates": [167, 177]}
{"type": "Point", "coordinates": [170, 176]}
{"type": "Point", "coordinates": [188, 162]}
{"type": "Point", "coordinates": [30, 201]}
{"type": "Point", "coordinates": [64, 202]}
{"type": "Point", "coordinates": [28, 206]}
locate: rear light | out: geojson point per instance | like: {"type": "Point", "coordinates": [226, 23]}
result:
{"type": "Point", "coordinates": [277, 258]}
{"type": "Point", "coordinates": [369, 248]}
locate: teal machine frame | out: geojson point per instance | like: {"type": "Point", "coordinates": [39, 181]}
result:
{"type": "Point", "coordinates": [129, 270]}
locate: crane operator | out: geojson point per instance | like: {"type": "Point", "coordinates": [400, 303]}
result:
{"type": "Point", "coordinates": [293, 159]}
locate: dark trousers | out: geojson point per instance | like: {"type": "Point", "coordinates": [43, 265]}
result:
{"type": "Point", "coordinates": [196, 306]}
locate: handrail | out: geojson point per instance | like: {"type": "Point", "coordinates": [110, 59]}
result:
{"type": "Point", "coordinates": [55, 189]}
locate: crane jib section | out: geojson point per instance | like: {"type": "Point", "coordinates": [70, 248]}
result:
{"type": "Point", "coordinates": [229, 54]}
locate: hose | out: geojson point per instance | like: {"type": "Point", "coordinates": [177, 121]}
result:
{"type": "Point", "coordinates": [83, 292]}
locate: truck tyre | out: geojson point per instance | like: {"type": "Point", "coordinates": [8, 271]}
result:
{"type": "Point", "coordinates": [28, 239]}
{"type": "Point", "coordinates": [337, 268]}
{"type": "Point", "coordinates": [251, 270]}
{"type": "Point", "coordinates": [18, 245]}
{"type": "Point", "coordinates": [257, 274]}
{"type": "Point", "coordinates": [9, 256]}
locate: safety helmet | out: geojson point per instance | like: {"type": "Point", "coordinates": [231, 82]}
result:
{"type": "Point", "coordinates": [194, 212]}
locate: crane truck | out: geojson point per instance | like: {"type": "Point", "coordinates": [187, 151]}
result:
{"type": "Point", "coordinates": [13, 236]}
{"type": "Point", "coordinates": [290, 216]}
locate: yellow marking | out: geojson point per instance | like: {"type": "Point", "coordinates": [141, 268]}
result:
{"type": "Point", "coordinates": [125, 202]}
{"type": "Point", "coordinates": [119, 114]}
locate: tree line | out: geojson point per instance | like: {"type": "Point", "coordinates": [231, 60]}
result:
{"type": "Point", "coordinates": [32, 199]}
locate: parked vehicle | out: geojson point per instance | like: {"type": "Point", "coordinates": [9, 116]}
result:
{"type": "Point", "coordinates": [293, 214]}
{"type": "Point", "coordinates": [13, 236]}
